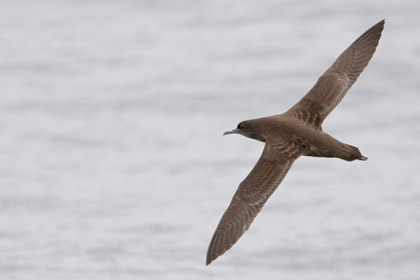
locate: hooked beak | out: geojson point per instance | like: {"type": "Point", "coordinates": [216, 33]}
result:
{"type": "Point", "coordinates": [235, 131]}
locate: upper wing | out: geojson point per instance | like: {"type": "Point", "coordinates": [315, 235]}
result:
{"type": "Point", "coordinates": [331, 87]}
{"type": "Point", "coordinates": [251, 196]}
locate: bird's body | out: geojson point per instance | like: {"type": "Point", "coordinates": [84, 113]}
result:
{"type": "Point", "coordinates": [298, 132]}
{"type": "Point", "coordinates": [281, 131]}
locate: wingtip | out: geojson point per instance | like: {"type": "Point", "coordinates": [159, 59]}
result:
{"type": "Point", "coordinates": [211, 256]}
{"type": "Point", "coordinates": [380, 25]}
{"type": "Point", "coordinates": [209, 259]}
{"type": "Point", "coordinates": [377, 27]}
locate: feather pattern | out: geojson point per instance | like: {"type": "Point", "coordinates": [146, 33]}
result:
{"type": "Point", "coordinates": [250, 198]}
{"type": "Point", "coordinates": [331, 87]}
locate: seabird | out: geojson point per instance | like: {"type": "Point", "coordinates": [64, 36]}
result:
{"type": "Point", "coordinates": [297, 132]}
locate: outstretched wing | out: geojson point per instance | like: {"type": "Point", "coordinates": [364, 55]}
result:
{"type": "Point", "coordinates": [251, 196]}
{"type": "Point", "coordinates": [331, 87]}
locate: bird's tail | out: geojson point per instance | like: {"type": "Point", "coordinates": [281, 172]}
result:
{"type": "Point", "coordinates": [353, 153]}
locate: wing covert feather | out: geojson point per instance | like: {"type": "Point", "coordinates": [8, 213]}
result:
{"type": "Point", "coordinates": [248, 200]}
{"type": "Point", "coordinates": [331, 87]}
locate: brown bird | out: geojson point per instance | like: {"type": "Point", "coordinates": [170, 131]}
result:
{"type": "Point", "coordinates": [298, 132]}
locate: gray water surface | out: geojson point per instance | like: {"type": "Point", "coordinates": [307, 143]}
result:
{"type": "Point", "coordinates": [113, 164]}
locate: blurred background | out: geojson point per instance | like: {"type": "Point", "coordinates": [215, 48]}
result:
{"type": "Point", "coordinates": [112, 160]}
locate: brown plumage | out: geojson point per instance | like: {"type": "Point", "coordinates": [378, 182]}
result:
{"type": "Point", "coordinates": [290, 135]}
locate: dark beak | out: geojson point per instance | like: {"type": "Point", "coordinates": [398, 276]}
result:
{"type": "Point", "coordinates": [235, 131]}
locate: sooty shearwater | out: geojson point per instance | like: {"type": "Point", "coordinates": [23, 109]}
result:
{"type": "Point", "coordinates": [298, 132]}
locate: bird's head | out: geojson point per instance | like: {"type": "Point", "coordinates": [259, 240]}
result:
{"type": "Point", "coordinates": [248, 129]}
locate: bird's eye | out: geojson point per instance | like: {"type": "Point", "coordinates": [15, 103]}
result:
{"type": "Point", "coordinates": [241, 126]}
